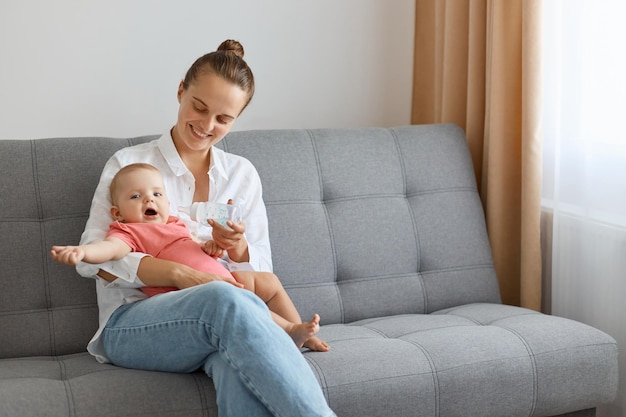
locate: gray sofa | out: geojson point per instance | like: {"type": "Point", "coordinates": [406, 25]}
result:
{"type": "Point", "coordinates": [381, 231]}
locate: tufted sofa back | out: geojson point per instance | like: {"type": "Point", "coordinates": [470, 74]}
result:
{"type": "Point", "coordinates": [363, 223]}
{"type": "Point", "coordinates": [372, 222]}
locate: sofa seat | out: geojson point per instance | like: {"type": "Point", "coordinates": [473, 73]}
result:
{"type": "Point", "coordinates": [474, 360]}
{"type": "Point", "coordinates": [404, 365]}
{"type": "Point", "coordinates": [77, 385]}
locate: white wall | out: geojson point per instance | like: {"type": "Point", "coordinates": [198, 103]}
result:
{"type": "Point", "coordinates": [112, 68]}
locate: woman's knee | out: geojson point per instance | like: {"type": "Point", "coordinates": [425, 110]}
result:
{"type": "Point", "coordinates": [223, 294]}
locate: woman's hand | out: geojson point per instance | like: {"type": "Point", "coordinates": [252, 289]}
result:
{"type": "Point", "coordinates": [156, 272]}
{"type": "Point", "coordinates": [231, 239]}
{"type": "Point", "coordinates": [194, 278]}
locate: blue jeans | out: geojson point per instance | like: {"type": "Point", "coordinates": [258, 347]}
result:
{"type": "Point", "coordinates": [256, 368]}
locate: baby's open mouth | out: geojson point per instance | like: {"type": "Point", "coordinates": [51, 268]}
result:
{"type": "Point", "coordinates": [150, 212]}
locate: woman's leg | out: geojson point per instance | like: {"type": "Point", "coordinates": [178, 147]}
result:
{"type": "Point", "coordinates": [227, 331]}
{"type": "Point", "coordinates": [229, 381]}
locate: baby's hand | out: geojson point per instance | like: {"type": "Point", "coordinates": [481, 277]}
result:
{"type": "Point", "coordinates": [68, 255]}
{"type": "Point", "coordinates": [212, 249]}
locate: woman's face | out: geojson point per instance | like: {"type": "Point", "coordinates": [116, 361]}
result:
{"type": "Point", "coordinates": [208, 108]}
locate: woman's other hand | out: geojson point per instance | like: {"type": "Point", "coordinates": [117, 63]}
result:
{"type": "Point", "coordinates": [194, 278]}
{"type": "Point", "coordinates": [156, 272]}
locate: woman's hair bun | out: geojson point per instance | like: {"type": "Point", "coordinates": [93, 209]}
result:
{"type": "Point", "coordinates": [226, 62]}
{"type": "Point", "coordinates": [233, 46]}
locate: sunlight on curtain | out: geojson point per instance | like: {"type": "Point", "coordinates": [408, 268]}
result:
{"type": "Point", "coordinates": [584, 179]}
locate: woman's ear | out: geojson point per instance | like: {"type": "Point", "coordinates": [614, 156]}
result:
{"type": "Point", "coordinates": [181, 88]}
{"type": "Point", "coordinates": [115, 213]}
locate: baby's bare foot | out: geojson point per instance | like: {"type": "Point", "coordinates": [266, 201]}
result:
{"type": "Point", "coordinates": [317, 344]}
{"type": "Point", "coordinates": [303, 335]}
{"type": "Point", "coordinates": [301, 332]}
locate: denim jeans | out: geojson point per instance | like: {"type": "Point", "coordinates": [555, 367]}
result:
{"type": "Point", "coordinates": [256, 368]}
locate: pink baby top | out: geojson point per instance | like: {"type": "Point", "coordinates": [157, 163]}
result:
{"type": "Point", "coordinates": [170, 241]}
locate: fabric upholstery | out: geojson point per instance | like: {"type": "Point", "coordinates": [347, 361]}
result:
{"type": "Point", "coordinates": [380, 231]}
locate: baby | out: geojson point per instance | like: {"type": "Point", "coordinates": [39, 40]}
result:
{"type": "Point", "coordinates": [142, 224]}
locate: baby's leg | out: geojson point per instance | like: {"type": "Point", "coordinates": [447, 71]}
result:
{"type": "Point", "coordinates": [246, 278]}
{"type": "Point", "coordinates": [269, 288]}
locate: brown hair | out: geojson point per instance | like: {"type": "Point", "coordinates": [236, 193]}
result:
{"type": "Point", "coordinates": [115, 182]}
{"type": "Point", "coordinates": [227, 62]}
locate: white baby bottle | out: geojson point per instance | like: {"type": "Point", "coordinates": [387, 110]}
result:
{"type": "Point", "coordinates": [201, 212]}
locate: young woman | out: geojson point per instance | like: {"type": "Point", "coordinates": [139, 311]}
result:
{"type": "Point", "coordinates": [229, 333]}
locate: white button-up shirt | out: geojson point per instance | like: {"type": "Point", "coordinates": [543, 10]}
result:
{"type": "Point", "coordinates": [230, 176]}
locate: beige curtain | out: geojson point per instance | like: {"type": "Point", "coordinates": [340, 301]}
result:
{"type": "Point", "coordinates": [477, 64]}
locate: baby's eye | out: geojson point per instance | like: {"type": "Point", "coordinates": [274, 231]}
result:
{"type": "Point", "coordinates": [134, 196]}
{"type": "Point", "coordinates": [158, 195]}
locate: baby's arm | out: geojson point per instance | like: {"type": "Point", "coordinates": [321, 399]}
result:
{"type": "Point", "coordinates": [110, 249]}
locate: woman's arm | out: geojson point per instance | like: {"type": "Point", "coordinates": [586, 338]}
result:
{"type": "Point", "coordinates": [257, 249]}
{"type": "Point", "coordinates": [242, 184]}
{"type": "Point", "coordinates": [156, 272]}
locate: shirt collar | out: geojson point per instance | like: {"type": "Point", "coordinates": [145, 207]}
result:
{"type": "Point", "coordinates": [169, 152]}
{"type": "Point", "coordinates": [167, 148]}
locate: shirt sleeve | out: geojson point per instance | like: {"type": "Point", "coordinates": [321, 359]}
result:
{"type": "Point", "coordinates": [257, 229]}
{"type": "Point", "coordinates": [96, 228]}
{"type": "Point", "coordinates": [235, 177]}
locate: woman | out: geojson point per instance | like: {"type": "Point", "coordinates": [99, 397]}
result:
{"type": "Point", "coordinates": [256, 368]}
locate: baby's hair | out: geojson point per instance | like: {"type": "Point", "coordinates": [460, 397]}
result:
{"type": "Point", "coordinates": [228, 63]}
{"type": "Point", "coordinates": [115, 182]}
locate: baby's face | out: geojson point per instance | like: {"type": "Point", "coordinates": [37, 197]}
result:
{"type": "Point", "coordinates": [141, 198]}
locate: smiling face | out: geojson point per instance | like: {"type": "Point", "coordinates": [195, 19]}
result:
{"type": "Point", "coordinates": [139, 196]}
{"type": "Point", "coordinates": [208, 108]}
